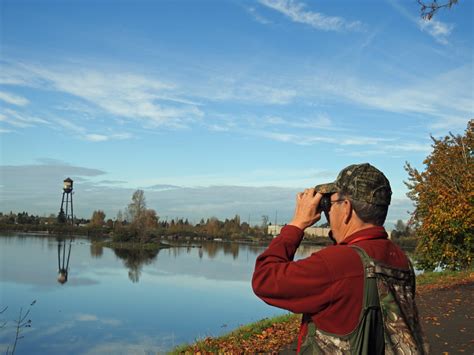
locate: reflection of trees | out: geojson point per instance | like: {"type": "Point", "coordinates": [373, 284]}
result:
{"type": "Point", "coordinates": [256, 249]}
{"type": "Point", "coordinates": [176, 252]}
{"type": "Point", "coordinates": [96, 250]}
{"type": "Point", "coordinates": [134, 259]}
{"type": "Point", "coordinates": [211, 249]}
{"type": "Point", "coordinates": [231, 248]}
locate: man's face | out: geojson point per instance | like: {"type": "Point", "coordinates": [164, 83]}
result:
{"type": "Point", "coordinates": [336, 216]}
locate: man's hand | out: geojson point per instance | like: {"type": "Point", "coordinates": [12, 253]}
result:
{"type": "Point", "coordinates": [305, 211]}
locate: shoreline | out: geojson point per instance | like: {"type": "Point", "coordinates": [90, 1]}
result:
{"type": "Point", "coordinates": [105, 238]}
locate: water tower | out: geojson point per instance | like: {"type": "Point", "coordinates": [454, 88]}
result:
{"type": "Point", "coordinates": [66, 202]}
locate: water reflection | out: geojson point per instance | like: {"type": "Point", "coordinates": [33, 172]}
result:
{"type": "Point", "coordinates": [134, 259]}
{"type": "Point", "coordinates": [210, 278]}
{"type": "Point", "coordinates": [216, 252]}
{"type": "Point", "coordinates": [63, 263]}
{"type": "Point", "coordinates": [96, 250]}
{"type": "Point", "coordinates": [211, 250]}
{"type": "Point", "coordinates": [231, 249]}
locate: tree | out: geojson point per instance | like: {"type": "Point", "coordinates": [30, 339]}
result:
{"type": "Point", "coordinates": [110, 223]}
{"type": "Point", "coordinates": [61, 217]}
{"type": "Point", "coordinates": [151, 219]}
{"type": "Point", "coordinates": [97, 219]}
{"type": "Point", "coordinates": [400, 226]}
{"type": "Point", "coordinates": [401, 230]}
{"type": "Point", "coordinates": [444, 195]}
{"type": "Point", "coordinates": [428, 10]}
{"type": "Point", "coordinates": [142, 220]}
{"type": "Point", "coordinates": [137, 207]}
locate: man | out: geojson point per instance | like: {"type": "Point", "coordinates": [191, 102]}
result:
{"type": "Point", "coordinates": [357, 296]}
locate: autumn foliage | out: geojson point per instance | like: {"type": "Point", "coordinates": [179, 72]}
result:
{"type": "Point", "coordinates": [267, 336]}
{"type": "Point", "coordinates": [443, 195]}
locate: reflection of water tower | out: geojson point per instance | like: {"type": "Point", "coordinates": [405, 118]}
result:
{"type": "Point", "coordinates": [63, 267]}
{"type": "Point", "coordinates": [66, 202]}
{"type": "Point", "coordinates": [66, 216]}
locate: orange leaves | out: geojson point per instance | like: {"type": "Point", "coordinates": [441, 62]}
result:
{"type": "Point", "coordinates": [270, 339]}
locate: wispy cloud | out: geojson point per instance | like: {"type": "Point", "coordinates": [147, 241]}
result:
{"type": "Point", "coordinates": [87, 318]}
{"type": "Point", "coordinates": [128, 95]}
{"type": "Point", "coordinates": [311, 139]}
{"type": "Point", "coordinates": [83, 132]}
{"type": "Point", "coordinates": [297, 12]}
{"type": "Point", "coordinates": [13, 99]}
{"type": "Point", "coordinates": [445, 95]}
{"type": "Point", "coordinates": [259, 18]}
{"type": "Point", "coordinates": [69, 125]}
{"type": "Point", "coordinates": [247, 90]}
{"type": "Point", "coordinates": [409, 147]}
{"type": "Point", "coordinates": [21, 120]}
{"type": "Point", "coordinates": [93, 137]}
{"type": "Point", "coordinates": [84, 317]}
{"type": "Point", "coordinates": [281, 137]}
{"type": "Point", "coordinates": [388, 149]}
{"type": "Point", "coordinates": [438, 30]}
{"type": "Point", "coordinates": [154, 103]}
{"type": "Point", "coordinates": [383, 145]}
{"type": "Point", "coordinates": [319, 121]}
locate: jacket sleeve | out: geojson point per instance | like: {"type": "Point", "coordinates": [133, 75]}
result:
{"type": "Point", "coordinates": [302, 286]}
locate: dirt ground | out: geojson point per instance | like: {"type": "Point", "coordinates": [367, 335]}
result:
{"type": "Point", "coordinates": [447, 315]}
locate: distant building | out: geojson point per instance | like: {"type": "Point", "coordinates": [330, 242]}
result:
{"type": "Point", "coordinates": [311, 231]}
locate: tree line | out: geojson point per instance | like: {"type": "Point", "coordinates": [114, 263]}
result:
{"type": "Point", "coordinates": [139, 223]}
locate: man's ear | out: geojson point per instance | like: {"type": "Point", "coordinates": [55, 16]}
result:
{"type": "Point", "coordinates": [347, 211]}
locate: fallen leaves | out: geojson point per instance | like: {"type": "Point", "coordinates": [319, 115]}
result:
{"type": "Point", "coordinates": [269, 340]}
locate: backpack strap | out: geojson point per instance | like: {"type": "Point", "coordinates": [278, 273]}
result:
{"type": "Point", "coordinates": [367, 262]}
{"type": "Point", "coordinates": [371, 299]}
{"type": "Point", "coordinates": [368, 338]}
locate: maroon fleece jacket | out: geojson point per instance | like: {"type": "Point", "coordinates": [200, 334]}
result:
{"type": "Point", "coordinates": [327, 286]}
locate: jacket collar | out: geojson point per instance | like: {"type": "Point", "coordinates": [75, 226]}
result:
{"type": "Point", "coordinates": [366, 234]}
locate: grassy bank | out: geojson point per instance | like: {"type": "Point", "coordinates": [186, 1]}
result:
{"type": "Point", "coordinates": [271, 334]}
{"type": "Point", "coordinates": [260, 337]}
{"type": "Point", "coordinates": [431, 280]}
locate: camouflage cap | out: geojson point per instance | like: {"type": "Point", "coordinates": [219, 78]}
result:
{"type": "Point", "coordinates": [362, 182]}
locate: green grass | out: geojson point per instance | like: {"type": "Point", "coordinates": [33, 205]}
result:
{"type": "Point", "coordinates": [442, 277]}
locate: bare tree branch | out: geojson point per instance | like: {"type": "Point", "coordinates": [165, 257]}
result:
{"type": "Point", "coordinates": [428, 10]}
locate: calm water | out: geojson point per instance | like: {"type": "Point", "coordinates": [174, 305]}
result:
{"type": "Point", "coordinates": [123, 302]}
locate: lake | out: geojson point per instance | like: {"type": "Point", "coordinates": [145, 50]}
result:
{"type": "Point", "coordinates": [124, 302]}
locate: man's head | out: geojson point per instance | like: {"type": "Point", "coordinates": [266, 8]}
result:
{"type": "Point", "coordinates": [365, 188]}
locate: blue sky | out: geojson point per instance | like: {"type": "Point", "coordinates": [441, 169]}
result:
{"type": "Point", "coordinates": [222, 107]}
